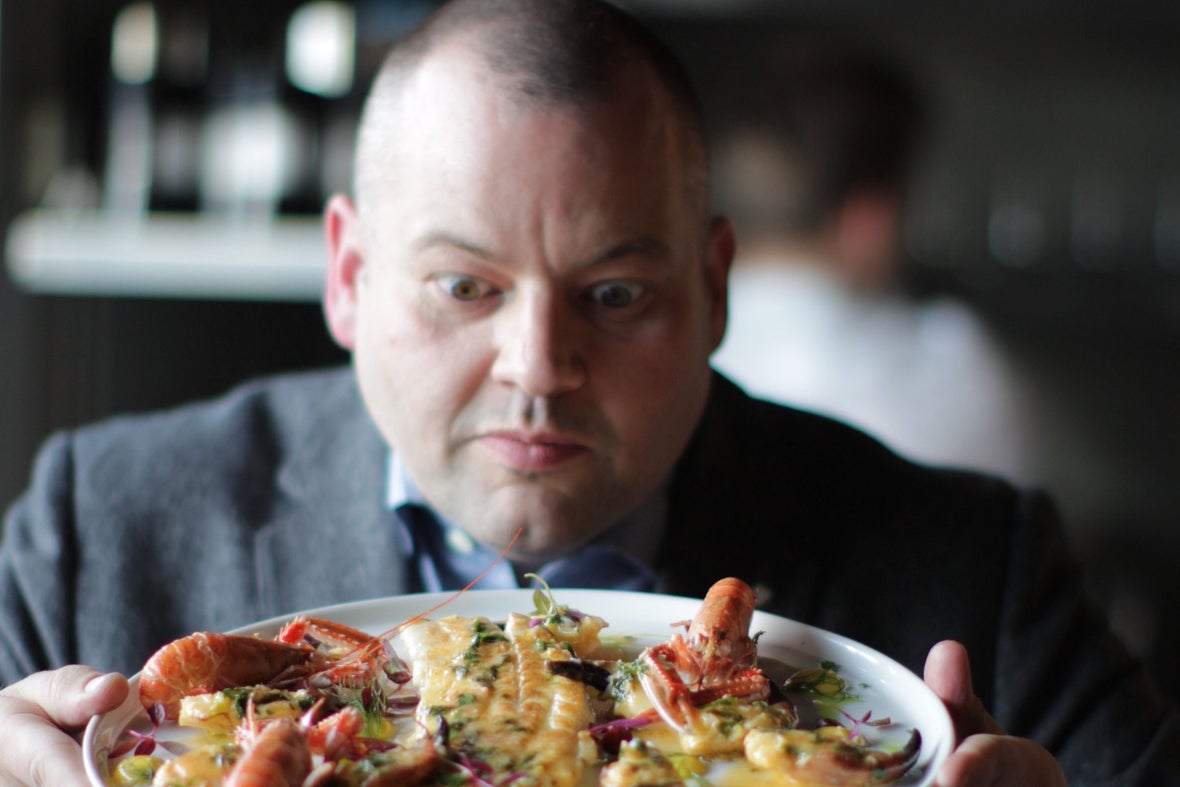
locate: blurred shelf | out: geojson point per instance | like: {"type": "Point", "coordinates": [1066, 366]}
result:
{"type": "Point", "coordinates": [172, 255]}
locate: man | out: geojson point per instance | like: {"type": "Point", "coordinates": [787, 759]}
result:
{"type": "Point", "coordinates": [531, 285]}
{"type": "Point", "coordinates": [814, 170]}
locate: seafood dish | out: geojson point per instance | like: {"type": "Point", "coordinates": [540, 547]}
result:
{"type": "Point", "coordinates": [536, 693]}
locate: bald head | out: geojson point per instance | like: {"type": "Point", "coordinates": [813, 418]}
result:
{"type": "Point", "coordinates": [542, 54]}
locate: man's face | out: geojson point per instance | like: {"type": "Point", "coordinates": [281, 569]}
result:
{"type": "Point", "coordinates": [531, 297]}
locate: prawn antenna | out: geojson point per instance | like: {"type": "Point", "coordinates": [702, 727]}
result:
{"type": "Point", "coordinates": [393, 632]}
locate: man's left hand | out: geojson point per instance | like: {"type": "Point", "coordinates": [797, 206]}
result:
{"type": "Point", "coordinates": [984, 754]}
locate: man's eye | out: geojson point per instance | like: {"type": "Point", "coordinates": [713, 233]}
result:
{"type": "Point", "coordinates": [464, 288]}
{"type": "Point", "coordinates": [616, 294]}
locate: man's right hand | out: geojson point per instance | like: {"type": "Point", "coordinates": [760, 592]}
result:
{"type": "Point", "coordinates": [42, 714]}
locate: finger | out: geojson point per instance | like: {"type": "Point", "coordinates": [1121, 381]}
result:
{"type": "Point", "coordinates": [69, 696]}
{"type": "Point", "coordinates": [987, 760]}
{"type": "Point", "coordinates": [948, 674]}
{"type": "Point", "coordinates": [35, 751]}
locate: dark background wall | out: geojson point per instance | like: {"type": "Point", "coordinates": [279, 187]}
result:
{"type": "Point", "coordinates": [1049, 199]}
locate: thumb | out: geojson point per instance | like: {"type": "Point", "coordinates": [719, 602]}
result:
{"type": "Point", "coordinates": [69, 696]}
{"type": "Point", "coordinates": [948, 674]}
{"type": "Point", "coordinates": [39, 714]}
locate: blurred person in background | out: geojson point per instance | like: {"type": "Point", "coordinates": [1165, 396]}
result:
{"type": "Point", "coordinates": [813, 169]}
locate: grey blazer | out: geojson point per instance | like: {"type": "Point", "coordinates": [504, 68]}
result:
{"type": "Point", "coordinates": [269, 500]}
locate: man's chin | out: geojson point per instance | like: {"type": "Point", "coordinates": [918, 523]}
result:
{"type": "Point", "coordinates": [553, 515]}
{"type": "Point", "coordinates": [533, 542]}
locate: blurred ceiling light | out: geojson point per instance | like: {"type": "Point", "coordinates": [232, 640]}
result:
{"type": "Point", "coordinates": [321, 48]}
{"type": "Point", "coordinates": [134, 43]}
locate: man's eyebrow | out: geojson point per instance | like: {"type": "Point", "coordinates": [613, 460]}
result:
{"type": "Point", "coordinates": [643, 246]}
{"type": "Point", "coordinates": [444, 238]}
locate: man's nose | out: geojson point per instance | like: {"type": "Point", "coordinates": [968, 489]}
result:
{"type": "Point", "coordinates": [538, 346]}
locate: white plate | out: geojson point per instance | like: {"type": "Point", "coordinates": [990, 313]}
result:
{"type": "Point", "coordinates": [883, 686]}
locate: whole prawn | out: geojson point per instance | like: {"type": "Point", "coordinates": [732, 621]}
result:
{"type": "Point", "coordinates": [205, 662]}
{"type": "Point", "coordinates": [716, 659]}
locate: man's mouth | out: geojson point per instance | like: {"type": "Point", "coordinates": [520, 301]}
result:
{"type": "Point", "coordinates": [532, 452]}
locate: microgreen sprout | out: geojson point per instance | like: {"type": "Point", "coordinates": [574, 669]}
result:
{"type": "Point", "coordinates": [854, 724]}
{"type": "Point", "coordinates": [546, 609]}
{"type": "Point", "coordinates": [143, 743]}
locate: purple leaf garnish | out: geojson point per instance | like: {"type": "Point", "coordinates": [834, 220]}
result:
{"type": "Point", "coordinates": [482, 774]}
{"type": "Point", "coordinates": [854, 724]}
{"type": "Point", "coordinates": [610, 735]}
{"type": "Point", "coordinates": [142, 743]}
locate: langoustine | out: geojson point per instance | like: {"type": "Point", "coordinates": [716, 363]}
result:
{"type": "Point", "coordinates": [206, 662]}
{"type": "Point", "coordinates": [717, 658]}
{"type": "Point", "coordinates": [706, 686]}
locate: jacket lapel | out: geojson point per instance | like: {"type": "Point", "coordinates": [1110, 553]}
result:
{"type": "Point", "coordinates": [732, 509]}
{"type": "Point", "coordinates": [330, 539]}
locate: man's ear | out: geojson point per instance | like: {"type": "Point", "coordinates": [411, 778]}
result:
{"type": "Point", "coordinates": [345, 261]}
{"type": "Point", "coordinates": [722, 246]}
